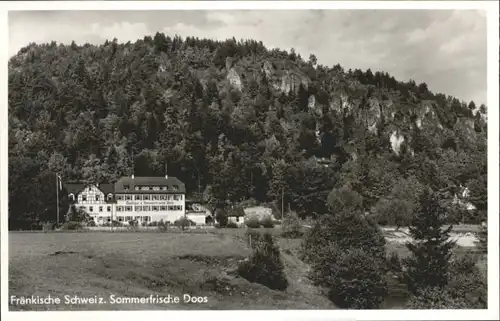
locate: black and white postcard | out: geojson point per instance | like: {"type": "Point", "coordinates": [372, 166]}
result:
{"type": "Point", "coordinates": [279, 160]}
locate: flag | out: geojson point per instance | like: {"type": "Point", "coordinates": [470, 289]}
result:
{"type": "Point", "coordinates": [59, 181]}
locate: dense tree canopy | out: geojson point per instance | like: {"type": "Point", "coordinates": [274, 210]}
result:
{"type": "Point", "coordinates": [231, 118]}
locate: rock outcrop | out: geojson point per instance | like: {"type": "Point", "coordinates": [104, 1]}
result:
{"type": "Point", "coordinates": [396, 140]}
{"type": "Point", "coordinates": [234, 79]}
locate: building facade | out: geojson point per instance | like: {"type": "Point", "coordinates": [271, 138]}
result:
{"type": "Point", "coordinates": [143, 199]}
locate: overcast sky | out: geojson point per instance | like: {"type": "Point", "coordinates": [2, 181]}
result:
{"type": "Point", "coordinates": [445, 48]}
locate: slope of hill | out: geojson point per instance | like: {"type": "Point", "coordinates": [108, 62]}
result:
{"type": "Point", "coordinates": [234, 120]}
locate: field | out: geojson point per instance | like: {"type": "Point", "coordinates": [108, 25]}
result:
{"type": "Point", "coordinates": [143, 264]}
{"type": "Point", "coordinates": [139, 264]}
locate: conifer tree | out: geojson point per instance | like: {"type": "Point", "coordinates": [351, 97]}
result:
{"type": "Point", "coordinates": [431, 248]}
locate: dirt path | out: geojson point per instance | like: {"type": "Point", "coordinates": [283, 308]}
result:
{"type": "Point", "coordinates": [297, 272]}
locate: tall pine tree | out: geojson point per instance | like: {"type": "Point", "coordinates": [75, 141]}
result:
{"type": "Point", "coordinates": [431, 248]}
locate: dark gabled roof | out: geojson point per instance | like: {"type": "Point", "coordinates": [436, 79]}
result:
{"type": "Point", "coordinates": [74, 188]}
{"type": "Point", "coordinates": [107, 188]}
{"type": "Point", "coordinates": [118, 187]}
{"type": "Point", "coordinates": [150, 181]}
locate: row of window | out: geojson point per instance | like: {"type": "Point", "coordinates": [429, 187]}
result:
{"type": "Point", "coordinates": [101, 219]}
{"type": "Point", "coordinates": [152, 188]}
{"type": "Point", "coordinates": [136, 218]}
{"type": "Point", "coordinates": [149, 208]}
{"type": "Point", "coordinates": [84, 197]}
{"type": "Point", "coordinates": [100, 208]}
{"type": "Point", "coordinates": [160, 197]}
{"type": "Point", "coordinates": [123, 218]}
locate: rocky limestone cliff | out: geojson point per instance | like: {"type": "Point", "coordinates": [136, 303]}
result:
{"type": "Point", "coordinates": [373, 115]}
{"type": "Point", "coordinates": [426, 116]}
{"type": "Point", "coordinates": [286, 80]}
{"type": "Point", "coordinates": [396, 140]}
{"type": "Point", "coordinates": [234, 79]}
{"type": "Point", "coordinates": [291, 81]}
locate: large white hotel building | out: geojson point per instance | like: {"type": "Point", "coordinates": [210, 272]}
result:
{"type": "Point", "coordinates": [144, 199]}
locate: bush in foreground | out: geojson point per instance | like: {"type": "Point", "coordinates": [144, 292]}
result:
{"type": "Point", "coordinates": [354, 278]}
{"type": "Point", "coordinates": [183, 223]}
{"type": "Point", "coordinates": [347, 253]}
{"type": "Point", "coordinates": [162, 225]}
{"type": "Point", "coordinates": [116, 224]}
{"type": "Point", "coordinates": [465, 282]}
{"type": "Point", "coordinates": [347, 229]}
{"type": "Point", "coordinates": [265, 265]}
{"type": "Point", "coordinates": [435, 298]}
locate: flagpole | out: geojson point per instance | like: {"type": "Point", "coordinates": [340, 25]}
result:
{"type": "Point", "coordinates": [57, 197]}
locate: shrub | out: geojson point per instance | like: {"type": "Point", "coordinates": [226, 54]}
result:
{"type": "Point", "coordinates": [463, 264]}
{"type": "Point", "coordinates": [144, 224]}
{"type": "Point", "coordinates": [116, 224]}
{"type": "Point", "coordinates": [72, 226]}
{"type": "Point", "coordinates": [467, 283]}
{"type": "Point", "coordinates": [133, 223]}
{"type": "Point", "coordinates": [265, 266]}
{"type": "Point", "coordinates": [393, 212]}
{"type": "Point", "coordinates": [162, 225]}
{"type": "Point", "coordinates": [267, 222]}
{"type": "Point", "coordinates": [435, 298]}
{"type": "Point", "coordinates": [231, 224]}
{"type": "Point", "coordinates": [154, 223]}
{"type": "Point", "coordinates": [183, 223]}
{"type": "Point", "coordinates": [354, 277]}
{"type": "Point", "coordinates": [77, 215]}
{"type": "Point", "coordinates": [291, 226]}
{"type": "Point", "coordinates": [91, 223]}
{"type": "Point", "coordinates": [347, 229]}
{"type": "Point", "coordinates": [252, 222]}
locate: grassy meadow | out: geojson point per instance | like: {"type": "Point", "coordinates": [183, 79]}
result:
{"type": "Point", "coordinates": [139, 264]}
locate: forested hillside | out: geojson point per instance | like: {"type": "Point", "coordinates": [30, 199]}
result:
{"type": "Point", "coordinates": [234, 121]}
